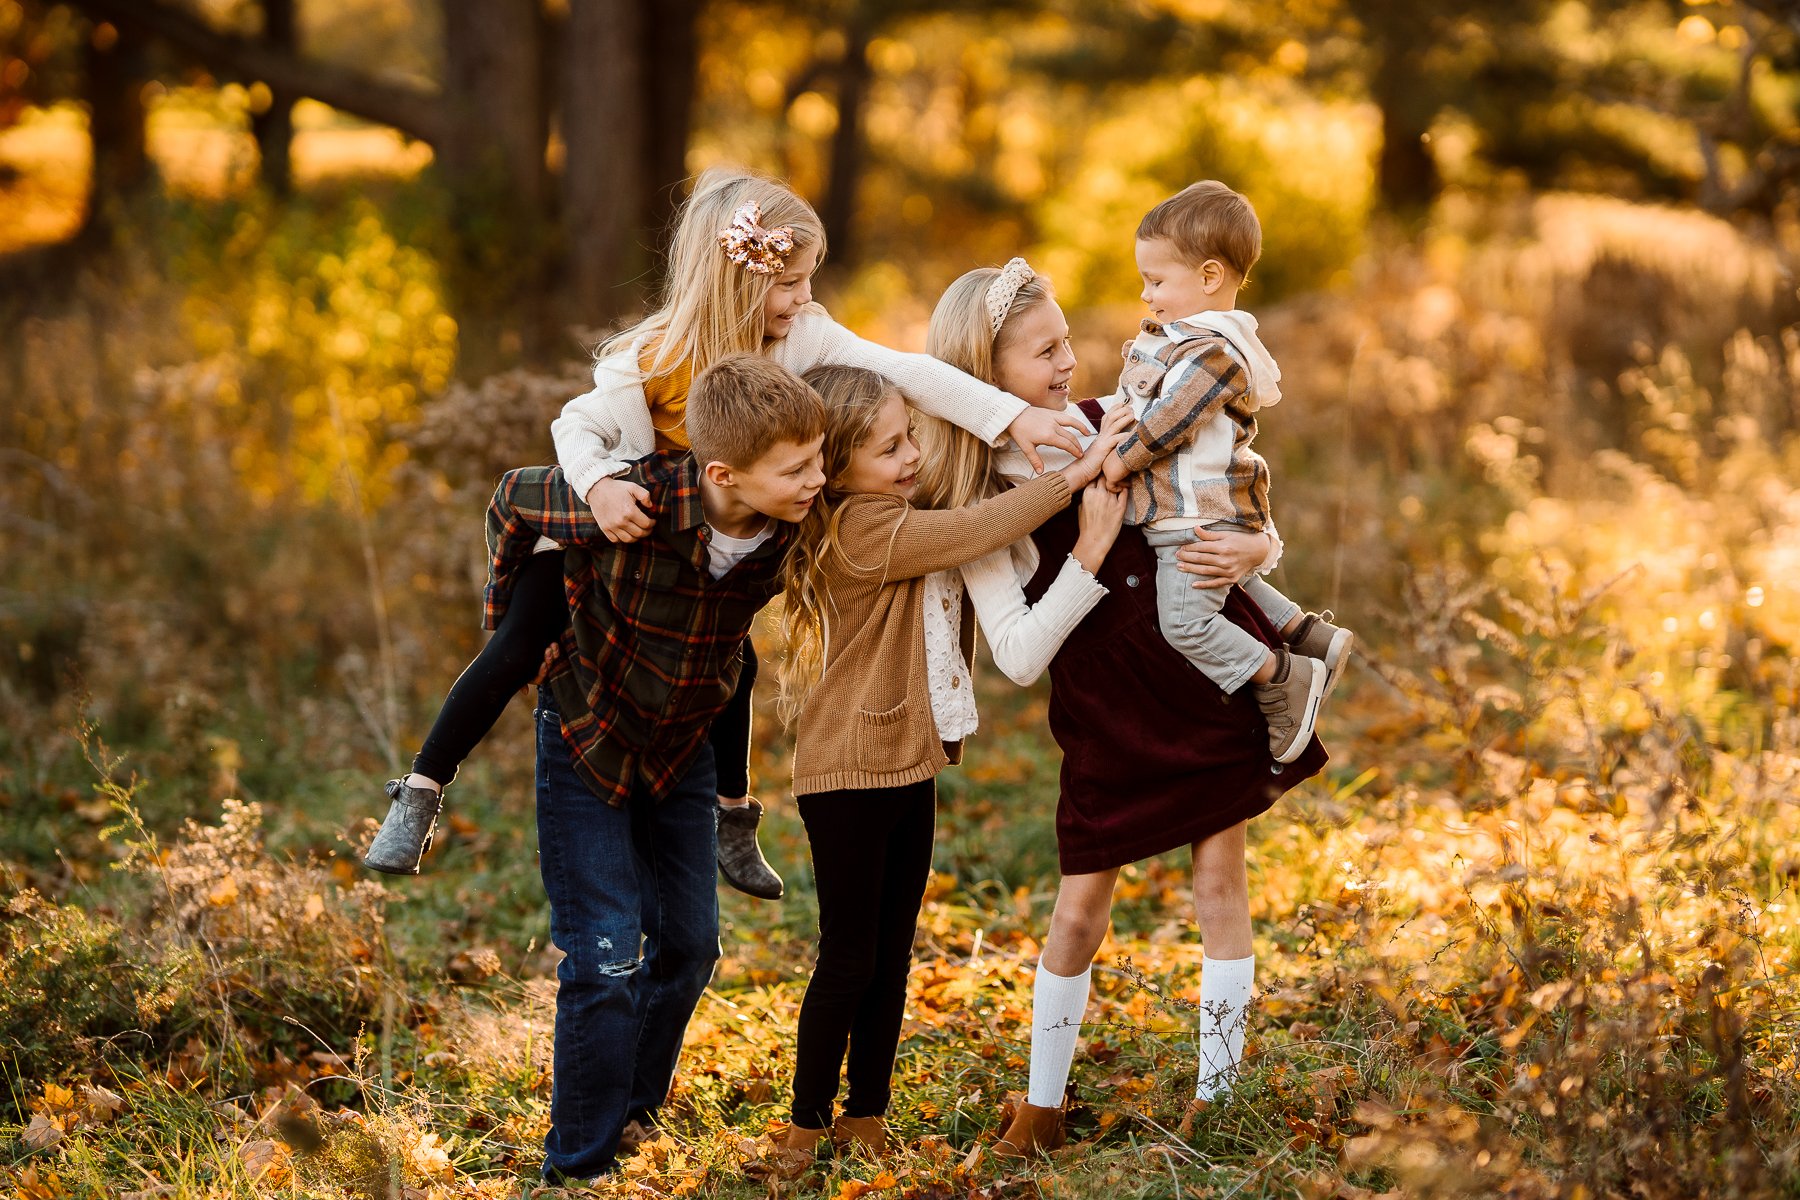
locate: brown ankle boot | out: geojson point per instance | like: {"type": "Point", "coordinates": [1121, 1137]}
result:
{"type": "Point", "coordinates": [792, 1155]}
{"type": "Point", "coordinates": [1034, 1131]}
{"type": "Point", "coordinates": [870, 1133]}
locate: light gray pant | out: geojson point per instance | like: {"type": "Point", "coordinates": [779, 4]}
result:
{"type": "Point", "coordinates": [1190, 616]}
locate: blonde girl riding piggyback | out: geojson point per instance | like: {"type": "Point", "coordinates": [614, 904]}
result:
{"type": "Point", "coordinates": [877, 683]}
{"type": "Point", "coordinates": [740, 279]}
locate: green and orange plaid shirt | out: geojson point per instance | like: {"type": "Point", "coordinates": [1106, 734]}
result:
{"type": "Point", "coordinates": [651, 653]}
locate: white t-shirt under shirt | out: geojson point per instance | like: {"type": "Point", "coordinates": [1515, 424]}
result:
{"type": "Point", "coordinates": [724, 553]}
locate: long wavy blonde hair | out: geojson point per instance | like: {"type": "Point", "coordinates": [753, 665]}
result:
{"type": "Point", "coordinates": [956, 467]}
{"type": "Point", "coordinates": [710, 306]}
{"type": "Point", "coordinates": [853, 399]}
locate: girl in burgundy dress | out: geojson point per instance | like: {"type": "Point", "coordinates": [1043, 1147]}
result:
{"type": "Point", "coordinates": [1155, 756]}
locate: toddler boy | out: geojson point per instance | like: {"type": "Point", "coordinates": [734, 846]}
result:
{"type": "Point", "coordinates": [1195, 376]}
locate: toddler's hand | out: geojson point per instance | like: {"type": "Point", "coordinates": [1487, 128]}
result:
{"type": "Point", "coordinates": [1116, 472]}
{"type": "Point", "coordinates": [622, 510]}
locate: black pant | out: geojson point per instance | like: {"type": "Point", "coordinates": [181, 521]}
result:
{"type": "Point", "coordinates": [534, 619]}
{"type": "Point", "coordinates": [871, 851]}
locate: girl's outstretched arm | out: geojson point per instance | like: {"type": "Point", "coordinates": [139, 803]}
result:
{"type": "Point", "coordinates": [893, 540]}
{"type": "Point", "coordinates": [898, 541]}
{"type": "Point", "coordinates": [931, 386]}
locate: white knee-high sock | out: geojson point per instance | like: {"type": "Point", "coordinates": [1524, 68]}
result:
{"type": "Point", "coordinates": [1226, 986]}
{"type": "Point", "coordinates": [1058, 1002]}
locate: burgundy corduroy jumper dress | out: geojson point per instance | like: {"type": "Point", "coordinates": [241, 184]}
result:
{"type": "Point", "coordinates": [1155, 756]}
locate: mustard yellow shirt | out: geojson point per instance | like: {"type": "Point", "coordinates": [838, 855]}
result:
{"type": "Point", "coordinates": [667, 396]}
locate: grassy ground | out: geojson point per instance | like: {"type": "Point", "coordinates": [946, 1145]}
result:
{"type": "Point", "coordinates": [1530, 934]}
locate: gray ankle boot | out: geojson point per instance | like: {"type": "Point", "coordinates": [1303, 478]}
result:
{"type": "Point", "coordinates": [741, 860]}
{"type": "Point", "coordinates": [404, 837]}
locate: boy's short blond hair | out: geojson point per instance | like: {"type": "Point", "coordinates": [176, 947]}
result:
{"type": "Point", "coordinates": [1207, 220]}
{"type": "Point", "coordinates": [745, 405]}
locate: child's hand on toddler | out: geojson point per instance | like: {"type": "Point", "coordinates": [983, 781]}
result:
{"type": "Point", "coordinates": [1118, 419]}
{"type": "Point", "coordinates": [1037, 427]}
{"type": "Point", "coordinates": [621, 508]}
{"type": "Point", "coordinates": [1086, 469]}
{"type": "Point", "coordinates": [1102, 513]}
{"type": "Point", "coordinates": [1220, 557]}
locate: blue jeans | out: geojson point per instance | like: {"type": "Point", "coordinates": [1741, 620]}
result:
{"type": "Point", "coordinates": [614, 876]}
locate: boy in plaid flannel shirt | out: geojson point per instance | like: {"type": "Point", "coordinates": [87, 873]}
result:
{"type": "Point", "coordinates": [1195, 376]}
{"type": "Point", "coordinates": [626, 803]}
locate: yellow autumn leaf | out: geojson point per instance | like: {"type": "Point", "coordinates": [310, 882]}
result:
{"type": "Point", "coordinates": [42, 1133]}
{"type": "Point", "coordinates": [100, 1106]}
{"type": "Point", "coordinates": [428, 1158]}
{"type": "Point", "coordinates": [223, 892]}
{"type": "Point", "coordinates": [56, 1098]}
{"type": "Point", "coordinates": [267, 1162]}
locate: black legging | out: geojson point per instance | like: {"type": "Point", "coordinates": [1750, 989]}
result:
{"type": "Point", "coordinates": [871, 852]}
{"type": "Point", "coordinates": [536, 617]}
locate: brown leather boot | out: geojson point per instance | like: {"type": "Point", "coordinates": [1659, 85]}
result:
{"type": "Point", "coordinates": [1035, 1131]}
{"type": "Point", "coordinates": [792, 1155]}
{"type": "Point", "coordinates": [870, 1133]}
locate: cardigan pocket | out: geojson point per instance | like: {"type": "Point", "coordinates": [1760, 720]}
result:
{"type": "Point", "coordinates": [883, 739]}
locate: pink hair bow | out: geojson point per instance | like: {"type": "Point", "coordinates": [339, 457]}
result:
{"type": "Point", "coordinates": [759, 251]}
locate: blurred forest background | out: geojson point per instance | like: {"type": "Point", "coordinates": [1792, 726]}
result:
{"type": "Point", "coordinates": [285, 283]}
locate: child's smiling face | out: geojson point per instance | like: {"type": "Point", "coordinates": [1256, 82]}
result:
{"type": "Point", "coordinates": [1174, 289]}
{"type": "Point", "coordinates": [1033, 359]}
{"type": "Point", "coordinates": [790, 293]}
{"type": "Point", "coordinates": [784, 482]}
{"type": "Point", "coordinates": [887, 461]}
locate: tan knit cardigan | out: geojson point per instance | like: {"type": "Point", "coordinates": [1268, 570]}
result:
{"type": "Point", "coordinates": [867, 723]}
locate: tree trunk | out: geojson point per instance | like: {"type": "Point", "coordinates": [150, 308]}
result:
{"type": "Point", "coordinates": [114, 84]}
{"type": "Point", "coordinates": [492, 86]}
{"type": "Point", "coordinates": [838, 207]}
{"type": "Point", "coordinates": [605, 122]}
{"type": "Point", "coordinates": [1406, 175]}
{"type": "Point", "coordinates": [274, 127]}
{"type": "Point", "coordinates": [672, 52]}
{"type": "Point", "coordinates": [494, 168]}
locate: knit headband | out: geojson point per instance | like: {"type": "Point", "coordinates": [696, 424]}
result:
{"type": "Point", "coordinates": [1005, 289]}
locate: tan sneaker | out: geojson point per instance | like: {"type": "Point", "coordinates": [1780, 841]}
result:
{"type": "Point", "coordinates": [1316, 637]}
{"type": "Point", "coordinates": [869, 1133]}
{"type": "Point", "coordinates": [1035, 1131]}
{"type": "Point", "coordinates": [1290, 704]}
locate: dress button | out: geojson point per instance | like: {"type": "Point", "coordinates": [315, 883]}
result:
{"type": "Point", "coordinates": [1131, 581]}
{"type": "Point", "coordinates": [955, 681]}
{"type": "Point", "coordinates": [946, 604]}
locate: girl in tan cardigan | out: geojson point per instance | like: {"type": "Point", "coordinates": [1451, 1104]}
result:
{"type": "Point", "coordinates": [877, 681]}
